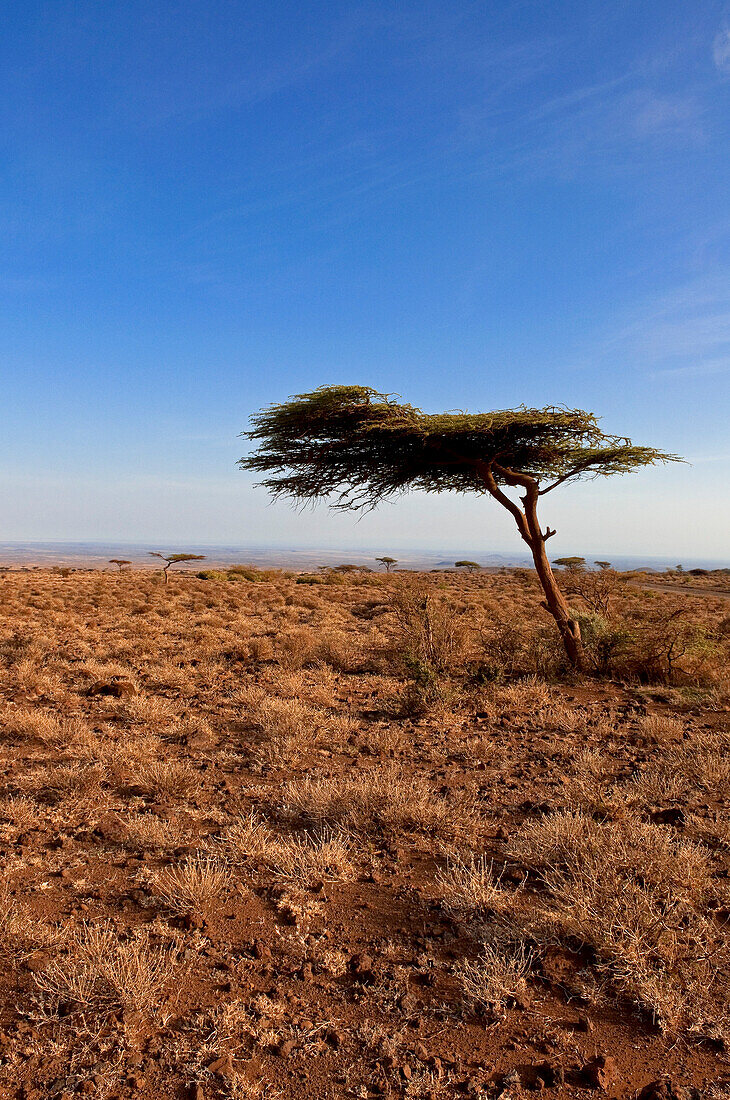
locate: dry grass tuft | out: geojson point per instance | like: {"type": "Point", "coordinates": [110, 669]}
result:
{"type": "Point", "coordinates": [100, 973]}
{"type": "Point", "coordinates": [636, 895]}
{"type": "Point", "coordinates": [471, 889]}
{"type": "Point", "coordinates": [382, 799]}
{"type": "Point", "coordinates": [174, 779]}
{"type": "Point", "coordinates": [498, 978]}
{"type": "Point", "coordinates": [151, 833]}
{"type": "Point", "coordinates": [290, 730]}
{"type": "Point", "coordinates": [321, 855]}
{"type": "Point", "coordinates": [190, 886]}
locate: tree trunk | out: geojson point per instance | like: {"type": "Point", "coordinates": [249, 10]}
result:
{"type": "Point", "coordinates": [557, 605]}
{"type": "Point", "coordinates": [555, 601]}
{"type": "Point", "coordinates": [528, 525]}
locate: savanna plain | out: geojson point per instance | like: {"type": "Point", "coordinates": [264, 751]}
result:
{"type": "Point", "coordinates": [363, 835]}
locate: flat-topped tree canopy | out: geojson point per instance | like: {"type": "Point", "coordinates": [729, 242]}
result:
{"type": "Point", "coordinates": [363, 446]}
{"type": "Point", "coordinates": [358, 447]}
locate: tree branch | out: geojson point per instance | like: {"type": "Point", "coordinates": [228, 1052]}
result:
{"type": "Point", "coordinates": [566, 477]}
{"type": "Point", "coordinates": [485, 471]}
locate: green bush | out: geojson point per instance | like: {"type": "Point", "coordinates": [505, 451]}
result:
{"type": "Point", "coordinates": [250, 573]}
{"type": "Point", "coordinates": [241, 573]}
{"type": "Point", "coordinates": [605, 641]}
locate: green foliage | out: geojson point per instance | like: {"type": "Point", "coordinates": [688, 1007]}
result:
{"type": "Point", "coordinates": [241, 573]}
{"type": "Point", "coordinates": [363, 446]}
{"type": "Point", "coordinates": [251, 573]}
{"type": "Point", "coordinates": [571, 564]}
{"type": "Point", "coordinates": [606, 641]}
{"type": "Point", "coordinates": [653, 644]}
{"type": "Point", "coordinates": [470, 566]}
{"type": "Point", "coordinates": [326, 576]}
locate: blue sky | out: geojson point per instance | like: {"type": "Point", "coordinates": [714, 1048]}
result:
{"type": "Point", "coordinates": [207, 206]}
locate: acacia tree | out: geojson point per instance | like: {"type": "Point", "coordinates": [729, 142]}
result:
{"type": "Point", "coordinates": [571, 565]}
{"type": "Point", "coordinates": [363, 447]}
{"type": "Point", "coordinates": [120, 562]}
{"type": "Point", "coordinates": [174, 559]}
{"type": "Point", "coordinates": [387, 562]}
{"type": "Point", "coordinates": [470, 566]}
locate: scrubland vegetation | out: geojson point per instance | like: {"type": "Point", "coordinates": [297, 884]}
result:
{"type": "Point", "coordinates": [359, 835]}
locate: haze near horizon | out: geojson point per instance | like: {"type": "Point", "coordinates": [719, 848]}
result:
{"type": "Point", "coordinates": [211, 207]}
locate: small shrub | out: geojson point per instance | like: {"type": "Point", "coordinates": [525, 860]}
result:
{"type": "Point", "coordinates": [190, 886]}
{"type": "Point", "coordinates": [472, 889]}
{"type": "Point", "coordinates": [498, 978]}
{"type": "Point", "coordinates": [382, 798]}
{"type": "Point", "coordinates": [637, 896]}
{"type": "Point", "coordinates": [99, 973]}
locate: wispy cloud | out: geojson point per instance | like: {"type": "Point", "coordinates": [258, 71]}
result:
{"type": "Point", "coordinates": [721, 50]}
{"type": "Point", "coordinates": [699, 369]}
{"type": "Point", "coordinates": [607, 126]}
{"type": "Point", "coordinates": [663, 114]}
{"type": "Point", "coordinates": [685, 333]}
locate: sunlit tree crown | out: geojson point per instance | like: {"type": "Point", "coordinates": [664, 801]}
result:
{"type": "Point", "coordinates": [363, 446]}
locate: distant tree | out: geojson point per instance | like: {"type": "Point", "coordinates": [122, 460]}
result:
{"type": "Point", "coordinates": [470, 566]}
{"type": "Point", "coordinates": [573, 565]}
{"type": "Point", "coordinates": [603, 564]}
{"type": "Point", "coordinates": [364, 447]}
{"type": "Point", "coordinates": [346, 568]}
{"type": "Point", "coordinates": [388, 563]}
{"type": "Point", "coordinates": [121, 562]}
{"type": "Point", "coordinates": [679, 568]}
{"type": "Point", "coordinates": [174, 559]}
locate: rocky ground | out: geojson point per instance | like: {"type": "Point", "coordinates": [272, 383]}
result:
{"type": "Point", "coordinates": [259, 839]}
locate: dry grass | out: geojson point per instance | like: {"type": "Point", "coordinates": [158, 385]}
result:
{"type": "Point", "coordinates": [472, 889]}
{"type": "Point", "coordinates": [265, 777]}
{"type": "Point", "coordinates": [382, 799]}
{"type": "Point", "coordinates": [175, 779]}
{"type": "Point", "coordinates": [98, 973]}
{"type": "Point", "coordinates": [497, 978]}
{"type": "Point", "coordinates": [151, 833]}
{"type": "Point", "coordinates": [290, 730]}
{"type": "Point", "coordinates": [636, 894]}
{"type": "Point", "coordinates": [322, 855]}
{"type": "Point", "coordinates": [189, 887]}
